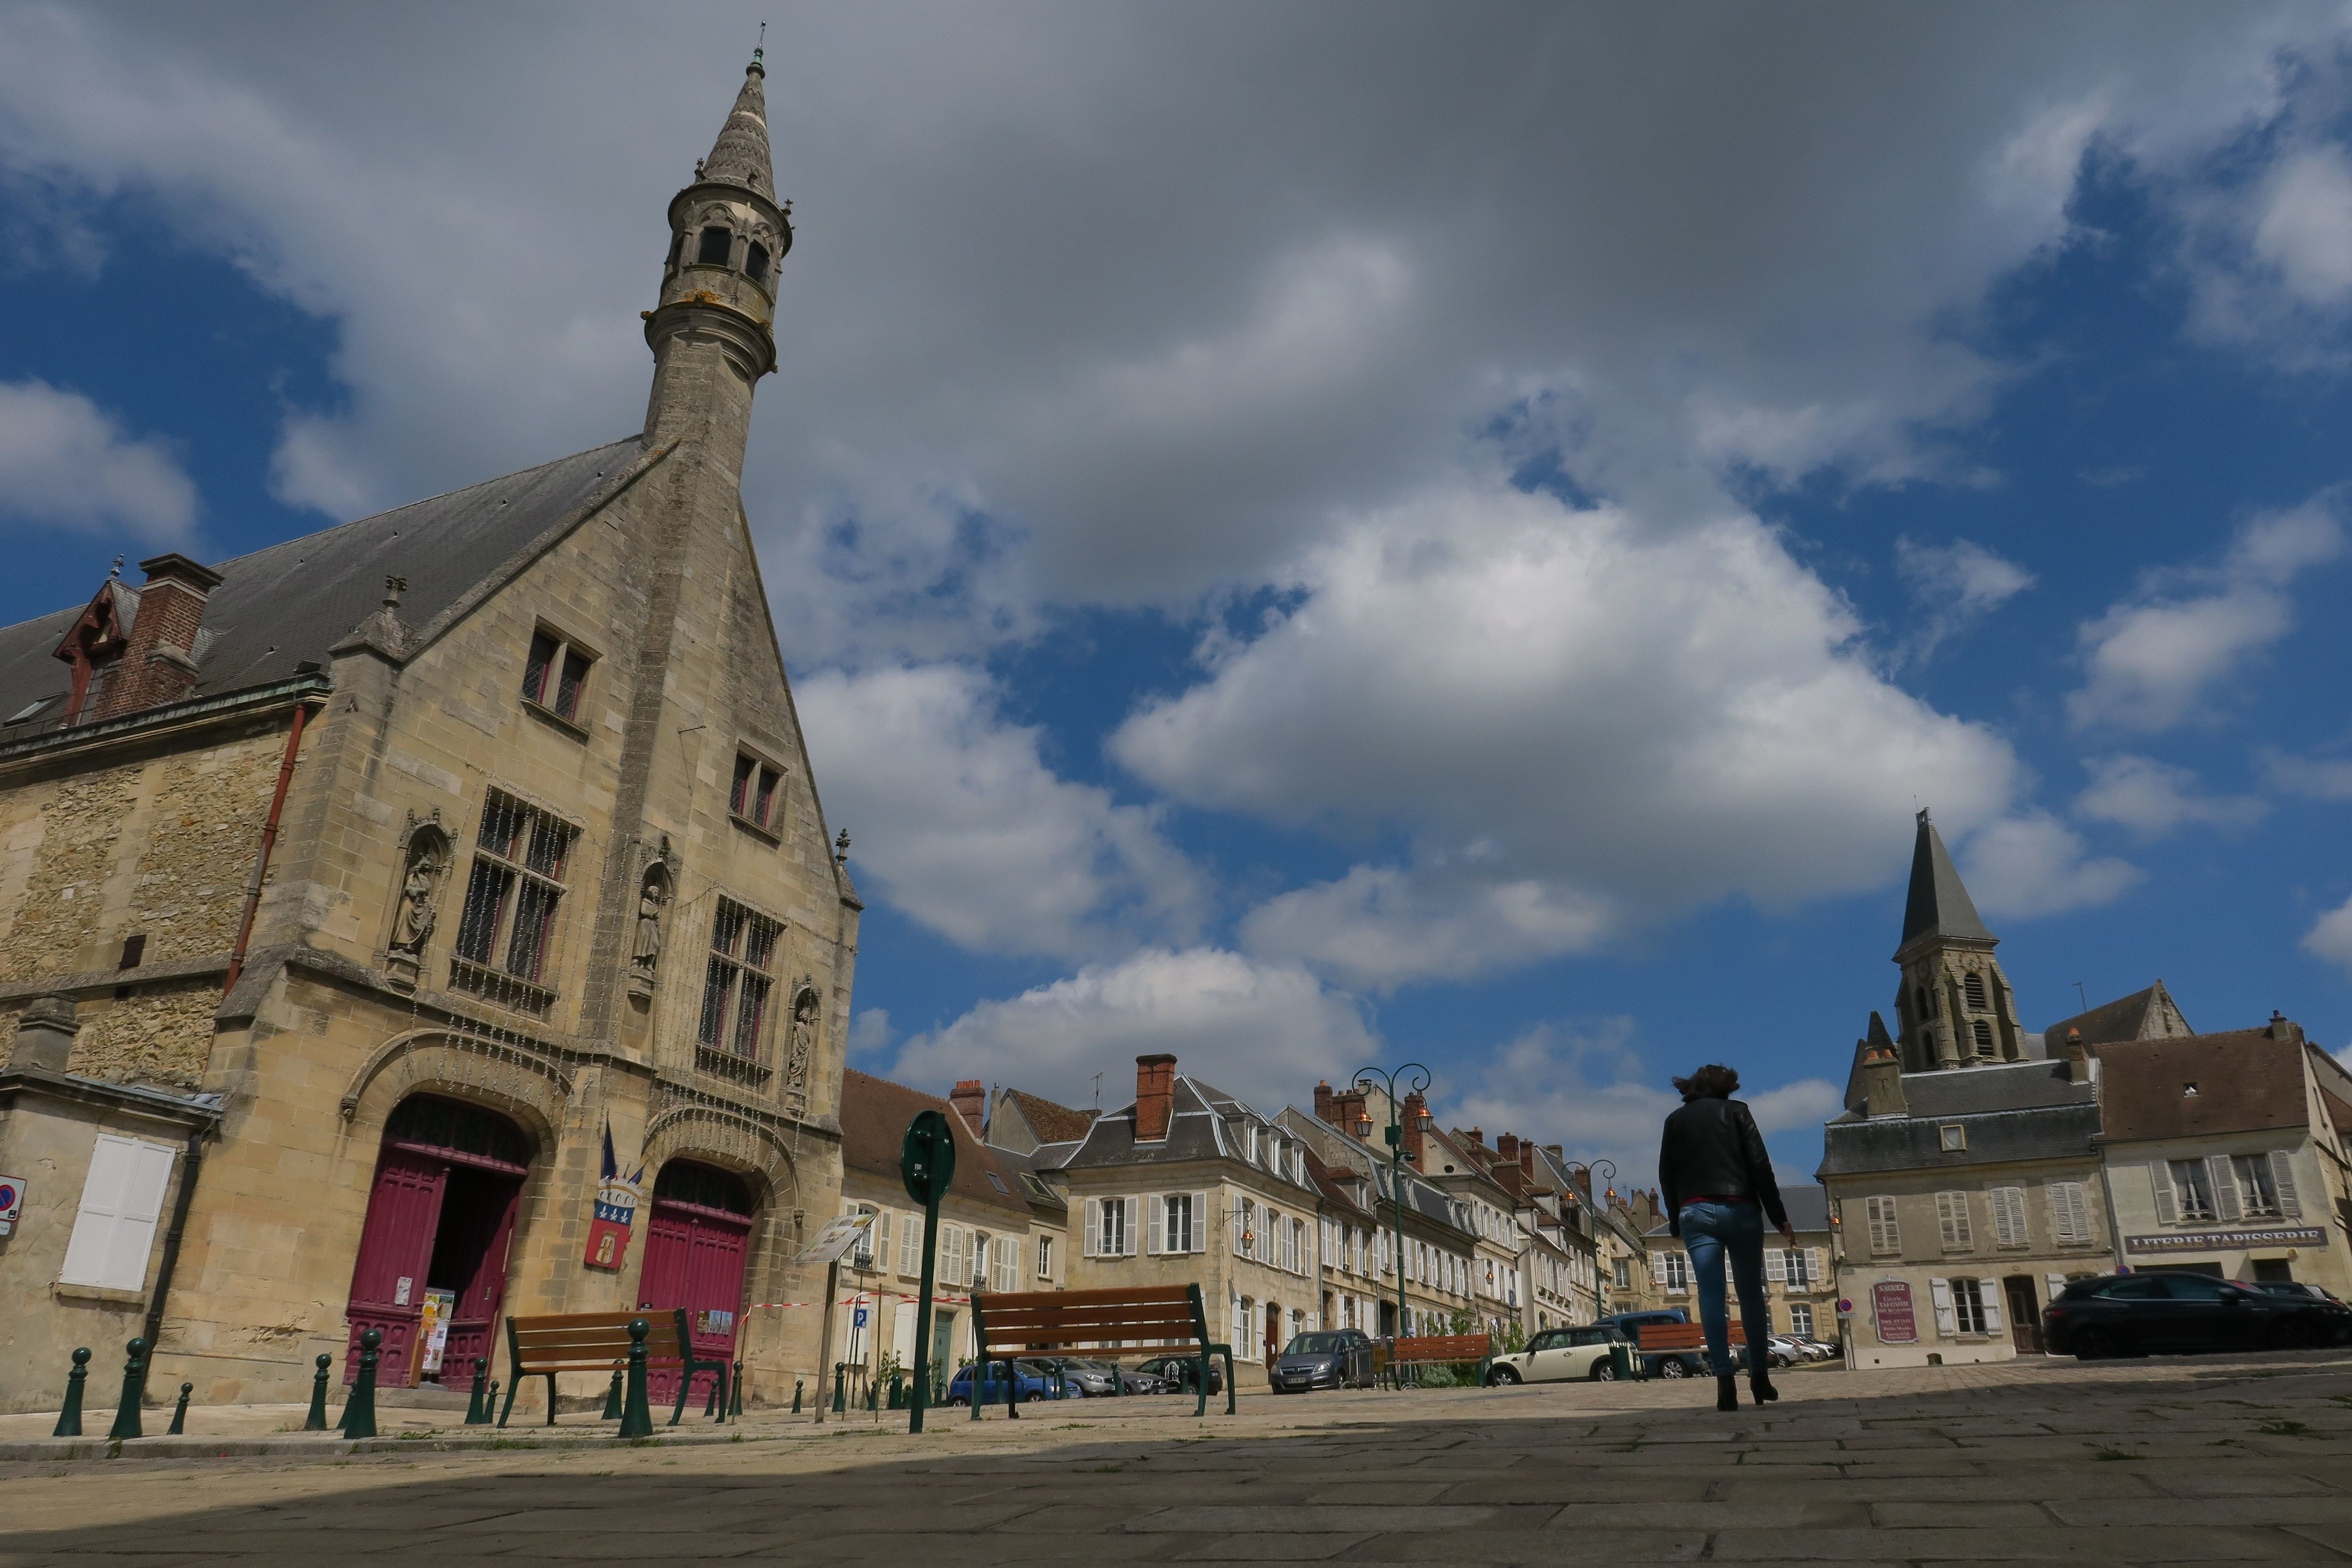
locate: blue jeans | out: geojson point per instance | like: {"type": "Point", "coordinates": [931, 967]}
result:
{"type": "Point", "coordinates": [1713, 1233]}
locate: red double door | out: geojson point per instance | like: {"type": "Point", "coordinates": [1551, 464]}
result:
{"type": "Point", "coordinates": [438, 1219]}
{"type": "Point", "coordinates": [694, 1258]}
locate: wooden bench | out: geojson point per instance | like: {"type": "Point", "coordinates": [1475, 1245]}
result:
{"type": "Point", "coordinates": [1164, 1320]}
{"type": "Point", "coordinates": [599, 1342]}
{"type": "Point", "coordinates": [1650, 1339]}
{"type": "Point", "coordinates": [1438, 1350]}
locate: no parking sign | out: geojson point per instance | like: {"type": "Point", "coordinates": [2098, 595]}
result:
{"type": "Point", "coordinates": [12, 1202]}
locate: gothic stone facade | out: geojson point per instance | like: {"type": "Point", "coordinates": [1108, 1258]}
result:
{"type": "Point", "coordinates": [538, 852]}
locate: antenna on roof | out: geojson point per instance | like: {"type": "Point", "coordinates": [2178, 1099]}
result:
{"type": "Point", "coordinates": [2085, 997]}
{"type": "Point", "coordinates": [1097, 1091]}
{"type": "Point", "coordinates": [117, 570]}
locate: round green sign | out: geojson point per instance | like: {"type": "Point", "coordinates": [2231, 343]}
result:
{"type": "Point", "coordinates": [927, 1164]}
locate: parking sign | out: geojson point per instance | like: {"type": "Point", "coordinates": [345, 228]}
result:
{"type": "Point", "coordinates": [12, 1202]}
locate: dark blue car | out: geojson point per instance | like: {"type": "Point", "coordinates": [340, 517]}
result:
{"type": "Point", "coordinates": [1037, 1382]}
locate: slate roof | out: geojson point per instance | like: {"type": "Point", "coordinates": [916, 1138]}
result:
{"type": "Point", "coordinates": [1808, 1207]}
{"type": "Point", "coordinates": [2125, 1018]}
{"type": "Point", "coordinates": [873, 1116]}
{"type": "Point", "coordinates": [2246, 1080]}
{"type": "Point", "coordinates": [2013, 1111]}
{"type": "Point", "coordinates": [1021, 1171]}
{"type": "Point", "coordinates": [290, 603]}
{"type": "Point", "coordinates": [1939, 904]}
{"type": "Point", "coordinates": [1980, 1090]}
{"type": "Point", "coordinates": [1052, 1122]}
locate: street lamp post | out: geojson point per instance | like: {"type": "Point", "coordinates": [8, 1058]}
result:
{"type": "Point", "coordinates": [1590, 1167]}
{"type": "Point", "coordinates": [1416, 1083]}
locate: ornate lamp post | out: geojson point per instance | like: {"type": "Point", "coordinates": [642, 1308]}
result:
{"type": "Point", "coordinates": [1607, 1170]}
{"type": "Point", "coordinates": [1416, 1080]}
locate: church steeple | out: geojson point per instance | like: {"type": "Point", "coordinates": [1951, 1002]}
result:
{"type": "Point", "coordinates": [1954, 1001]}
{"type": "Point", "coordinates": [711, 333]}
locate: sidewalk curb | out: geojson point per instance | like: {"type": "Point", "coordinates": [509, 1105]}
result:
{"type": "Point", "coordinates": [299, 1445]}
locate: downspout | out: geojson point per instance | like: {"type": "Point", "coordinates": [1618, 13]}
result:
{"type": "Point", "coordinates": [268, 842]}
{"type": "Point", "coordinates": [179, 1206]}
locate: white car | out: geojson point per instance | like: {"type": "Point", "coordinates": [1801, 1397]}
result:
{"type": "Point", "coordinates": [1559, 1355]}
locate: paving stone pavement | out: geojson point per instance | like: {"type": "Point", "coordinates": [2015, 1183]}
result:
{"type": "Point", "coordinates": [2167, 1461]}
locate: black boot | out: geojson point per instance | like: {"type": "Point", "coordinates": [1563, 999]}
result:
{"type": "Point", "coordinates": [1726, 1392]}
{"type": "Point", "coordinates": [1759, 1386]}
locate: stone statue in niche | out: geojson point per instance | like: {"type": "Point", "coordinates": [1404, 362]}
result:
{"type": "Point", "coordinates": [802, 1044]}
{"type": "Point", "coordinates": [416, 913]}
{"type": "Point", "coordinates": [644, 950]}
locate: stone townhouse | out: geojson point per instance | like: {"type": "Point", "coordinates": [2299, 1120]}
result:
{"type": "Point", "coordinates": [1628, 1281]}
{"type": "Point", "coordinates": [989, 1237]}
{"type": "Point", "coordinates": [354, 890]}
{"type": "Point", "coordinates": [1348, 1223]}
{"type": "Point", "coordinates": [2224, 1154]}
{"type": "Point", "coordinates": [1564, 1190]}
{"type": "Point", "coordinates": [1964, 1178]}
{"type": "Point", "coordinates": [1799, 1285]}
{"type": "Point", "coordinates": [1462, 1164]}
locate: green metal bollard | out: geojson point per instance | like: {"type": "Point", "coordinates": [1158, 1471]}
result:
{"type": "Point", "coordinates": [317, 1420]}
{"type": "Point", "coordinates": [796, 1396]}
{"type": "Point", "coordinates": [179, 1412]}
{"type": "Point", "coordinates": [1620, 1362]}
{"type": "Point", "coordinates": [873, 1396]}
{"type": "Point", "coordinates": [613, 1398]}
{"type": "Point", "coordinates": [737, 1397]}
{"type": "Point", "coordinates": [637, 1415]}
{"type": "Point", "coordinates": [359, 1410]}
{"type": "Point", "coordinates": [840, 1386]}
{"type": "Point", "coordinates": [477, 1403]}
{"type": "Point", "coordinates": [135, 1390]}
{"type": "Point", "coordinates": [69, 1416]}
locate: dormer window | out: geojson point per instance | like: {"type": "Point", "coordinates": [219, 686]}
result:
{"type": "Point", "coordinates": [755, 262]}
{"type": "Point", "coordinates": [554, 675]}
{"type": "Point", "coordinates": [754, 796]}
{"type": "Point", "coordinates": [717, 245]}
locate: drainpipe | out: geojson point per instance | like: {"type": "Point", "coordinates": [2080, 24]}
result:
{"type": "Point", "coordinates": [268, 842]}
{"type": "Point", "coordinates": [195, 1161]}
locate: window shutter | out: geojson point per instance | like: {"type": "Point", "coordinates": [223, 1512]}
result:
{"type": "Point", "coordinates": [1658, 1266]}
{"type": "Point", "coordinates": [1155, 1238]}
{"type": "Point", "coordinates": [1952, 1216]}
{"type": "Point", "coordinates": [1131, 1239]}
{"type": "Point", "coordinates": [1094, 1227]}
{"type": "Point", "coordinates": [879, 1244]}
{"type": "Point", "coordinates": [2168, 1207]}
{"type": "Point", "coordinates": [2226, 1204]}
{"type": "Point", "coordinates": [2282, 1178]}
{"type": "Point", "coordinates": [121, 1198]}
{"type": "Point", "coordinates": [1940, 1291]}
{"type": "Point", "coordinates": [1200, 1227]}
{"type": "Point", "coordinates": [1988, 1292]}
{"type": "Point", "coordinates": [1776, 1266]}
{"type": "Point", "coordinates": [1815, 1263]}
{"type": "Point", "coordinates": [2055, 1284]}
{"type": "Point", "coordinates": [910, 1247]}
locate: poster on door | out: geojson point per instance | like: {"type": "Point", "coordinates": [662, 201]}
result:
{"type": "Point", "coordinates": [433, 1328]}
{"type": "Point", "coordinates": [616, 1210]}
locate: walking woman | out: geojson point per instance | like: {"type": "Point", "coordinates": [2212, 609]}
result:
{"type": "Point", "coordinates": [1718, 1183]}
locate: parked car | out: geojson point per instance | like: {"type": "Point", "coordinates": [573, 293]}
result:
{"type": "Point", "coordinates": [2295, 1287]}
{"type": "Point", "coordinates": [1178, 1374]}
{"type": "Point", "coordinates": [2134, 1315]}
{"type": "Point", "coordinates": [1327, 1358]}
{"type": "Point", "coordinates": [1819, 1350]}
{"type": "Point", "coordinates": [1037, 1382]}
{"type": "Point", "coordinates": [1559, 1355]}
{"type": "Point", "coordinates": [1092, 1378]}
{"type": "Point", "coordinates": [1659, 1363]}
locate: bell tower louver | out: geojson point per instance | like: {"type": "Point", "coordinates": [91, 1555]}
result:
{"type": "Point", "coordinates": [1954, 1001]}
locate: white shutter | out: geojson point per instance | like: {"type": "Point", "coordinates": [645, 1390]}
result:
{"type": "Point", "coordinates": [1200, 1224]}
{"type": "Point", "coordinates": [2008, 1216]}
{"type": "Point", "coordinates": [1940, 1291]}
{"type": "Point", "coordinates": [1952, 1213]}
{"type": "Point", "coordinates": [1776, 1266]}
{"type": "Point", "coordinates": [2070, 1216]}
{"type": "Point", "coordinates": [1658, 1266]}
{"type": "Point", "coordinates": [1988, 1292]}
{"type": "Point", "coordinates": [1816, 1265]}
{"type": "Point", "coordinates": [1094, 1227]}
{"type": "Point", "coordinates": [1133, 1205]}
{"type": "Point", "coordinates": [2168, 1207]}
{"type": "Point", "coordinates": [879, 1245]}
{"type": "Point", "coordinates": [910, 1247]}
{"type": "Point", "coordinates": [1155, 1218]}
{"type": "Point", "coordinates": [2055, 1284]}
{"type": "Point", "coordinates": [1008, 1278]}
{"type": "Point", "coordinates": [2282, 1178]}
{"type": "Point", "coordinates": [2226, 1204]}
{"type": "Point", "coordinates": [121, 1198]}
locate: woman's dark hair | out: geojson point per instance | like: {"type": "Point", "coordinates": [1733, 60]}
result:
{"type": "Point", "coordinates": [1713, 1081]}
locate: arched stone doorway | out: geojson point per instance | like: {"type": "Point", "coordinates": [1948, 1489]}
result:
{"type": "Point", "coordinates": [440, 1225]}
{"type": "Point", "coordinates": [696, 1249]}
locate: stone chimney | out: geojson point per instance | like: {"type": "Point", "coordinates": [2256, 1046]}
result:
{"type": "Point", "coordinates": [2078, 1057]}
{"type": "Point", "coordinates": [971, 1103]}
{"type": "Point", "coordinates": [2283, 1028]}
{"type": "Point", "coordinates": [1155, 1098]}
{"type": "Point", "coordinates": [1323, 1101]}
{"type": "Point", "coordinates": [1507, 1148]}
{"type": "Point", "coordinates": [159, 660]}
{"type": "Point", "coordinates": [1882, 1085]}
{"type": "Point", "coordinates": [1416, 1125]}
{"type": "Point", "coordinates": [44, 1035]}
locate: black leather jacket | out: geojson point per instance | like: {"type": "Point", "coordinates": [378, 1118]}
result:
{"type": "Point", "coordinates": [1712, 1149]}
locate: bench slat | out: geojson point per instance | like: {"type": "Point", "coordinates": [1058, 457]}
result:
{"type": "Point", "coordinates": [1148, 1294]}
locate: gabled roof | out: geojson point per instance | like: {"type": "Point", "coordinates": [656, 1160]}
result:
{"type": "Point", "coordinates": [2241, 1080]}
{"type": "Point", "coordinates": [1939, 905]}
{"type": "Point", "coordinates": [2149, 1015]}
{"type": "Point", "coordinates": [2011, 1111]}
{"type": "Point", "coordinates": [1052, 1122]}
{"type": "Point", "coordinates": [290, 603]}
{"type": "Point", "coordinates": [873, 1116]}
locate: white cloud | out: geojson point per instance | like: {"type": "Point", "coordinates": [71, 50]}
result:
{"type": "Point", "coordinates": [67, 463]}
{"type": "Point", "coordinates": [2031, 864]}
{"type": "Point", "coordinates": [2330, 938]}
{"type": "Point", "coordinates": [1575, 720]}
{"type": "Point", "coordinates": [1265, 1032]}
{"type": "Point", "coordinates": [2153, 798]}
{"type": "Point", "coordinates": [2319, 778]}
{"type": "Point", "coordinates": [2155, 659]}
{"type": "Point", "coordinates": [961, 824]}
{"type": "Point", "coordinates": [2305, 229]}
{"type": "Point", "coordinates": [869, 1032]}
{"type": "Point", "coordinates": [1956, 585]}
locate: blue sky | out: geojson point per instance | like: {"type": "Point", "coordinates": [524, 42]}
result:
{"type": "Point", "coordinates": [1309, 536]}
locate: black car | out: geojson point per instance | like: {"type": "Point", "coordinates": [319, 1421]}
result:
{"type": "Point", "coordinates": [2134, 1315]}
{"type": "Point", "coordinates": [1178, 1374]}
{"type": "Point", "coordinates": [1327, 1358]}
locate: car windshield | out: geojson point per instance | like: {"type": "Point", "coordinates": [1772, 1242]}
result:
{"type": "Point", "coordinates": [1317, 1344]}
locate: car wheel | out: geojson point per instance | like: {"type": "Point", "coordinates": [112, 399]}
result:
{"type": "Point", "coordinates": [1603, 1371]}
{"type": "Point", "coordinates": [1672, 1367]}
{"type": "Point", "coordinates": [954, 1399]}
{"type": "Point", "coordinates": [2094, 1344]}
{"type": "Point", "coordinates": [1502, 1377]}
{"type": "Point", "coordinates": [2293, 1334]}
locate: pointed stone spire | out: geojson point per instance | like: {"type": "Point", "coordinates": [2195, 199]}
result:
{"type": "Point", "coordinates": [740, 156]}
{"type": "Point", "coordinates": [1939, 905]}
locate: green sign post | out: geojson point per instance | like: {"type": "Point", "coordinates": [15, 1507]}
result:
{"type": "Point", "coordinates": [927, 1165]}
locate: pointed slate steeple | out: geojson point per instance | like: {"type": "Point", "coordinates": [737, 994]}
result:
{"type": "Point", "coordinates": [740, 156]}
{"type": "Point", "coordinates": [1939, 904]}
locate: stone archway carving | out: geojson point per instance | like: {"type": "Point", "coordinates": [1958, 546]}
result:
{"type": "Point", "coordinates": [452, 1062]}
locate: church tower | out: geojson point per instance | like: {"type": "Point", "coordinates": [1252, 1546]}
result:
{"type": "Point", "coordinates": [1953, 1002]}
{"type": "Point", "coordinates": [712, 332]}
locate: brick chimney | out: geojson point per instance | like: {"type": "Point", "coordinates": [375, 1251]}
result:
{"type": "Point", "coordinates": [1882, 1085]}
{"type": "Point", "coordinates": [1416, 1125]}
{"type": "Point", "coordinates": [1527, 1161]}
{"type": "Point", "coordinates": [1507, 1148]}
{"type": "Point", "coordinates": [2078, 1057]}
{"type": "Point", "coordinates": [971, 1103]}
{"type": "Point", "coordinates": [159, 663]}
{"type": "Point", "coordinates": [1323, 1100]}
{"type": "Point", "coordinates": [1155, 1097]}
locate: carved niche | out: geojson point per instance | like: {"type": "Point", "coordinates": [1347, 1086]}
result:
{"type": "Point", "coordinates": [425, 859]}
{"type": "Point", "coordinates": [808, 1017]}
{"type": "Point", "coordinates": [656, 885]}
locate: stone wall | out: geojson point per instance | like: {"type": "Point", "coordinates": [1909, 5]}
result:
{"type": "Point", "coordinates": [70, 840]}
{"type": "Point", "coordinates": [161, 1037]}
{"type": "Point", "coordinates": [199, 851]}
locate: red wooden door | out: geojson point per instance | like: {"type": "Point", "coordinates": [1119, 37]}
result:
{"type": "Point", "coordinates": [396, 1245]}
{"type": "Point", "coordinates": [477, 1228]}
{"type": "Point", "coordinates": [694, 1258]}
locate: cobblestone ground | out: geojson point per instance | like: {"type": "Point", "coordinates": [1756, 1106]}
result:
{"type": "Point", "coordinates": [2170, 1461]}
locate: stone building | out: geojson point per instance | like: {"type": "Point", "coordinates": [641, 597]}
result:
{"type": "Point", "coordinates": [1621, 1230]}
{"type": "Point", "coordinates": [1799, 1285]}
{"type": "Point", "coordinates": [358, 893]}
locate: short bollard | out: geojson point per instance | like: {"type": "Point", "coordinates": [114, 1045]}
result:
{"type": "Point", "coordinates": [613, 1398]}
{"type": "Point", "coordinates": [637, 1414]}
{"type": "Point", "coordinates": [179, 1412]}
{"type": "Point", "coordinates": [69, 1417]}
{"type": "Point", "coordinates": [135, 1390]}
{"type": "Point", "coordinates": [317, 1420]}
{"type": "Point", "coordinates": [735, 1407]}
{"type": "Point", "coordinates": [898, 1391]}
{"type": "Point", "coordinates": [797, 1385]}
{"type": "Point", "coordinates": [477, 1405]}
{"type": "Point", "coordinates": [840, 1386]}
{"type": "Point", "coordinates": [873, 1396]}
{"type": "Point", "coordinates": [359, 1410]}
